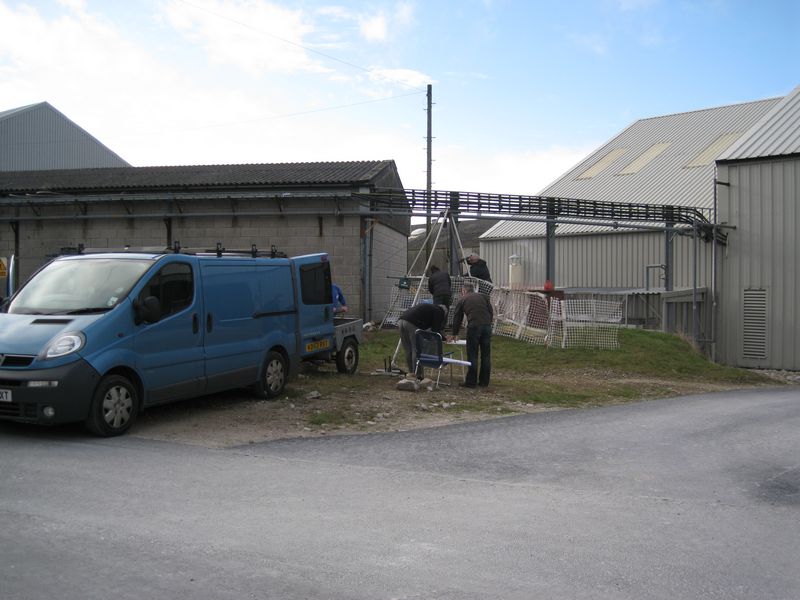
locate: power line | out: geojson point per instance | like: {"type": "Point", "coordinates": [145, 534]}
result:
{"type": "Point", "coordinates": [295, 44]}
{"type": "Point", "coordinates": [282, 116]}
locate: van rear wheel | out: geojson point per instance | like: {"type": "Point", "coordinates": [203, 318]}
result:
{"type": "Point", "coordinates": [115, 405]}
{"type": "Point", "coordinates": [273, 376]}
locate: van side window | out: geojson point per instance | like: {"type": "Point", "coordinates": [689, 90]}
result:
{"type": "Point", "coordinates": [173, 286]}
{"type": "Point", "coordinates": [315, 283]}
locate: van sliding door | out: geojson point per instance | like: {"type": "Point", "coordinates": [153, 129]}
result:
{"type": "Point", "coordinates": [233, 336]}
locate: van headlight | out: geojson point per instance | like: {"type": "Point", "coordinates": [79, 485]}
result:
{"type": "Point", "coordinates": [63, 344]}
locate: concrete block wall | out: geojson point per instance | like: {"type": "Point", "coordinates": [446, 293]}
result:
{"type": "Point", "coordinates": [40, 240]}
{"type": "Point", "coordinates": [116, 225]}
{"type": "Point", "coordinates": [389, 251]}
{"type": "Point", "coordinates": [293, 234]}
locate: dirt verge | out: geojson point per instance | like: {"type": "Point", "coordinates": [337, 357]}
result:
{"type": "Point", "coordinates": [321, 402]}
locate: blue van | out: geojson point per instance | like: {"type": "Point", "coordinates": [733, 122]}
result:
{"type": "Point", "coordinates": [99, 337]}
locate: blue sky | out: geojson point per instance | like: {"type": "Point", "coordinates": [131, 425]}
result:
{"type": "Point", "coordinates": [523, 90]}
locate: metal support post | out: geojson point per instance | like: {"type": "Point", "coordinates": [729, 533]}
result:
{"type": "Point", "coordinates": [550, 246]}
{"type": "Point", "coordinates": [669, 234]}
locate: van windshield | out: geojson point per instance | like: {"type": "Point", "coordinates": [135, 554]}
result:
{"type": "Point", "coordinates": [82, 286]}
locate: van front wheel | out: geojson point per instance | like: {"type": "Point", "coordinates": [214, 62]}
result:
{"type": "Point", "coordinates": [114, 406]}
{"type": "Point", "coordinates": [273, 376]}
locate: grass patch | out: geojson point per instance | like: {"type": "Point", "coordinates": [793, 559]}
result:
{"type": "Point", "coordinates": [524, 378]}
{"type": "Point", "coordinates": [644, 353]}
{"type": "Point", "coordinates": [329, 417]}
{"type": "Point", "coordinates": [575, 395]}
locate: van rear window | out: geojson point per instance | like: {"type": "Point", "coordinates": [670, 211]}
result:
{"type": "Point", "coordinates": [315, 284]}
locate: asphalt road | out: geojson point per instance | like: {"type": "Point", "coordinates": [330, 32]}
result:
{"type": "Point", "coordinates": [695, 497]}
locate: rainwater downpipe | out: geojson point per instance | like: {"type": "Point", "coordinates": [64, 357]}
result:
{"type": "Point", "coordinates": [371, 269]}
{"type": "Point", "coordinates": [695, 333]}
{"type": "Point", "coordinates": [713, 327]}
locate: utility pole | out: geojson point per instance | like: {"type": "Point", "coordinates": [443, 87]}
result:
{"type": "Point", "coordinates": [430, 180]}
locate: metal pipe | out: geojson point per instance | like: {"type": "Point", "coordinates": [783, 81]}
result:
{"type": "Point", "coordinates": [370, 271]}
{"type": "Point", "coordinates": [307, 213]}
{"type": "Point", "coordinates": [713, 317]}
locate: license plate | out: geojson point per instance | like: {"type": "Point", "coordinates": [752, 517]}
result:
{"type": "Point", "coordinates": [320, 345]}
{"type": "Point", "coordinates": [5, 395]}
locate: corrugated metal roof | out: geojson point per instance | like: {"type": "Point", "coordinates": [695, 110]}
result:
{"type": "Point", "coordinates": [666, 179]}
{"type": "Point", "coordinates": [13, 111]}
{"type": "Point", "coordinates": [200, 176]}
{"type": "Point", "coordinates": [38, 136]}
{"type": "Point", "coordinates": [776, 134]}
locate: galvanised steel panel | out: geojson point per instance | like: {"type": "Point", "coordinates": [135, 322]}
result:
{"type": "Point", "coordinates": [664, 180]}
{"type": "Point", "coordinates": [777, 134]}
{"type": "Point", "coordinates": [38, 137]}
{"type": "Point", "coordinates": [762, 254]}
{"type": "Point", "coordinates": [602, 261]}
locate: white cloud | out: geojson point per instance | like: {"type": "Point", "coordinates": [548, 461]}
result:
{"type": "Point", "coordinates": [339, 13]}
{"type": "Point", "coordinates": [525, 172]}
{"type": "Point", "coordinates": [254, 36]}
{"type": "Point", "coordinates": [407, 77]}
{"type": "Point", "coordinates": [75, 5]}
{"type": "Point", "coordinates": [151, 109]}
{"type": "Point", "coordinates": [134, 101]}
{"type": "Point", "coordinates": [373, 28]}
{"type": "Point", "coordinates": [404, 13]}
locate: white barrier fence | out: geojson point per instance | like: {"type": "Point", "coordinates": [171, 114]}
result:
{"type": "Point", "coordinates": [532, 317]}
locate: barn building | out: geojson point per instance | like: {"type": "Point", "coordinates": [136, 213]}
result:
{"type": "Point", "coordinates": [746, 285]}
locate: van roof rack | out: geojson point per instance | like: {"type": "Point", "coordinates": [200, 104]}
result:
{"type": "Point", "coordinates": [81, 249]}
{"type": "Point", "coordinates": [176, 248]}
{"type": "Point", "coordinates": [221, 251]}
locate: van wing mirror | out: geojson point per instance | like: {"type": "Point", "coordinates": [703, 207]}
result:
{"type": "Point", "coordinates": [148, 310]}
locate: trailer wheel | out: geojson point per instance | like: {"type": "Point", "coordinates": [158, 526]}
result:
{"type": "Point", "coordinates": [114, 406]}
{"type": "Point", "coordinates": [273, 376]}
{"type": "Point", "coordinates": [347, 357]}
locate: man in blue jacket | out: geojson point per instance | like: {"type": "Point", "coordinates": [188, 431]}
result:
{"type": "Point", "coordinates": [339, 303]}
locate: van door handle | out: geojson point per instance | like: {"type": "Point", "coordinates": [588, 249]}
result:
{"type": "Point", "coordinates": [209, 323]}
{"type": "Point", "coordinates": [195, 323]}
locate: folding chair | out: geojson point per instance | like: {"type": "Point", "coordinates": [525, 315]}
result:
{"type": "Point", "coordinates": [428, 351]}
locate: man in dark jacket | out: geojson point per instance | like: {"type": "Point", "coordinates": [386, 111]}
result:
{"type": "Point", "coordinates": [479, 312]}
{"type": "Point", "coordinates": [420, 316]}
{"type": "Point", "coordinates": [439, 286]}
{"type": "Point", "coordinates": [478, 268]}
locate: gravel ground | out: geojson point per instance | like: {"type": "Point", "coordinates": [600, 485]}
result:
{"type": "Point", "coordinates": [323, 403]}
{"type": "Point", "coordinates": [790, 377]}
